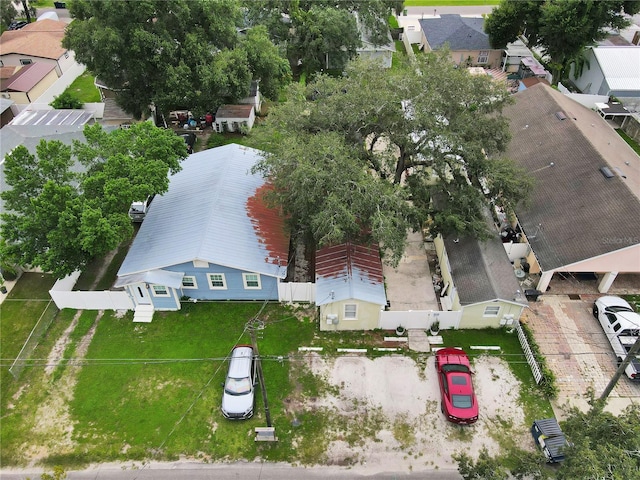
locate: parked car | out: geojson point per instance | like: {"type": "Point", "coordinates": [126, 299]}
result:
{"type": "Point", "coordinates": [621, 325]}
{"type": "Point", "coordinates": [138, 210]}
{"type": "Point", "coordinates": [17, 25]}
{"type": "Point", "coordinates": [550, 439]}
{"type": "Point", "coordinates": [239, 387]}
{"type": "Point", "coordinates": [459, 403]}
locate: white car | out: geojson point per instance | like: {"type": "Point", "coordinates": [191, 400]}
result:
{"type": "Point", "coordinates": [621, 325]}
{"type": "Point", "coordinates": [239, 387]}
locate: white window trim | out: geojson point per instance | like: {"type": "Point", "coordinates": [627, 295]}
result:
{"type": "Point", "coordinates": [195, 282]}
{"type": "Point", "coordinates": [156, 294]}
{"type": "Point", "coordinates": [244, 281]}
{"type": "Point", "coordinates": [344, 312]}
{"type": "Point", "coordinates": [486, 314]}
{"type": "Point", "coordinates": [224, 281]}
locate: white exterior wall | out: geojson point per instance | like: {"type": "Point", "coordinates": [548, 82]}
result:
{"type": "Point", "coordinates": [228, 122]}
{"type": "Point", "coordinates": [62, 64]}
{"type": "Point", "coordinates": [592, 78]}
{"type": "Point", "coordinates": [411, 26]}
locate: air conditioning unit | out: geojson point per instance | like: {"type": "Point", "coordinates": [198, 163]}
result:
{"type": "Point", "coordinates": [332, 319]}
{"type": "Point", "coordinates": [6, 95]}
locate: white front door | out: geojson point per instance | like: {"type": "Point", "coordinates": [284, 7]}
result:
{"type": "Point", "coordinates": [141, 294]}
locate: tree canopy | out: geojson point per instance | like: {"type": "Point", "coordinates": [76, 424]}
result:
{"type": "Point", "coordinates": [58, 219]}
{"type": "Point", "coordinates": [393, 147]}
{"type": "Point", "coordinates": [604, 446]}
{"type": "Point", "coordinates": [323, 34]}
{"type": "Point", "coordinates": [562, 28]}
{"type": "Point", "coordinates": [173, 54]}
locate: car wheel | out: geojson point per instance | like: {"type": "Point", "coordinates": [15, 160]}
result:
{"type": "Point", "coordinates": [442, 407]}
{"type": "Point", "coordinates": [595, 310]}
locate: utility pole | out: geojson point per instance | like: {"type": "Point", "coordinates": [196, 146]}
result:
{"type": "Point", "coordinates": [612, 383]}
{"type": "Point", "coordinates": [268, 433]}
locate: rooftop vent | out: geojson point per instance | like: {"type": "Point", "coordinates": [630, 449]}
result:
{"type": "Point", "coordinates": [561, 116]}
{"type": "Point", "coordinates": [606, 171]}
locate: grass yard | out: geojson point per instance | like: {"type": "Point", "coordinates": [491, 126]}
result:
{"type": "Point", "coordinates": [84, 89]}
{"type": "Point", "coordinates": [632, 143]}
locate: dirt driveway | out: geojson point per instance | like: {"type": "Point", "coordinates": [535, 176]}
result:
{"type": "Point", "coordinates": [577, 351]}
{"type": "Point", "coordinates": [411, 433]}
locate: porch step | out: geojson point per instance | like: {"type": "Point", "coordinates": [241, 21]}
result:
{"type": "Point", "coordinates": [143, 314]}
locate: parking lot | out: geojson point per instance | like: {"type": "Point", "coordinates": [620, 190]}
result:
{"type": "Point", "coordinates": [577, 351]}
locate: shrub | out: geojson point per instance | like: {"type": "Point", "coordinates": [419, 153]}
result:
{"type": "Point", "coordinates": [66, 101]}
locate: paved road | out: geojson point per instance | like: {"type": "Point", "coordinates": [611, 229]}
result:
{"type": "Point", "coordinates": [237, 471]}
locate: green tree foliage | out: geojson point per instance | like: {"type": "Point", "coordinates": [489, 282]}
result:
{"type": "Point", "coordinates": [66, 100]}
{"type": "Point", "coordinates": [59, 220]}
{"type": "Point", "coordinates": [604, 446]}
{"type": "Point", "coordinates": [562, 28]}
{"type": "Point", "coordinates": [8, 14]}
{"type": "Point", "coordinates": [407, 128]}
{"type": "Point", "coordinates": [317, 32]}
{"type": "Point", "coordinates": [171, 53]}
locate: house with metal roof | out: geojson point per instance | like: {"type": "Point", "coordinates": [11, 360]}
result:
{"type": "Point", "coordinates": [479, 280]}
{"type": "Point", "coordinates": [349, 287]}
{"type": "Point", "coordinates": [611, 70]}
{"type": "Point", "coordinates": [39, 41]}
{"type": "Point", "coordinates": [583, 216]}
{"type": "Point", "coordinates": [28, 83]}
{"type": "Point", "coordinates": [209, 237]}
{"type": "Point", "coordinates": [465, 37]}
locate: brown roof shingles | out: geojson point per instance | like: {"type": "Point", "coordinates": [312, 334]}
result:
{"type": "Point", "coordinates": [39, 39]}
{"type": "Point", "coordinates": [575, 212]}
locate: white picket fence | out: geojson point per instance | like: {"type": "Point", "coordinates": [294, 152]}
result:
{"type": "Point", "coordinates": [293, 292]}
{"type": "Point", "coordinates": [533, 363]}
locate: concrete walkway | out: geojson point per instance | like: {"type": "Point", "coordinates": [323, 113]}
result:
{"type": "Point", "coordinates": [409, 286]}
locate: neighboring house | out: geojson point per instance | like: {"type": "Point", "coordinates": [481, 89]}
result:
{"type": "Point", "coordinates": [612, 71]}
{"type": "Point", "coordinates": [6, 111]}
{"type": "Point", "coordinates": [584, 211]}
{"type": "Point", "coordinates": [465, 37]}
{"type": "Point", "coordinates": [37, 42]}
{"type": "Point", "coordinates": [349, 287]}
{"type": "Point", "coordinates": [370, 50]}
{"type": "Point", "coordinates": [210, 237]}
{"type": "Point", "coordinates": [234, 118]}
{"type": "Point", "coordinates": [479, 280]}
{"type": "Point", "coordinates": [28, 83]}
{"type": "Point", "coordinates": [513, 55]}
{"type": "Point", "coordinates": [254, 98]}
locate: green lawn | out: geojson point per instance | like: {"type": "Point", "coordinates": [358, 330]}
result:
{"type": "Point", "coordinates": [84, 89]}
{"type": "Point", "coordinates": [632, 143]}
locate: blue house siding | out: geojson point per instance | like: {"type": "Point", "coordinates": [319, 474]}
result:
{"type": "Point", "coordinates": [172, 302]}
{"type": "Point", "coordinates": [235, 289]}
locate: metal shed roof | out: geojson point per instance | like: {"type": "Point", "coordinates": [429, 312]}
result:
{"type": "Point", "coordinates": [213, 212]}
{"type": "Point", "coordinates": [52, 117]}
{"type": "Point", "coordinates": [349, 271]}
{"type": "Point", "coordinates": [27, 77]}
{"type": "Point", "coordinates": [620, 66]}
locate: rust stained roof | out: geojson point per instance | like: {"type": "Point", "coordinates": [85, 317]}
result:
{"type": "Point", "coordinates": [27, 77]}
{"type": "Point", "coordinates": [268, 225]}
{"type": "Point", "coordinates": [39, 39]}
{"type": "Point", "coordinates": [349, 271]}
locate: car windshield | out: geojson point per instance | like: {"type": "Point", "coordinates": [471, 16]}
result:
{"type": "Point", "coordinates": [238, 386]}
{"type": "Point", "coordinates": [461, 401]}
{"type": "Point", "coordinates": [618, 308]}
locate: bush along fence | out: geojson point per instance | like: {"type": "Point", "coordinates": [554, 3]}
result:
{"type": "Point", "coordinates": [541, 371]}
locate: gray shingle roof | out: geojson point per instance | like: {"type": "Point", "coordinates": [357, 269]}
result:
{"type": "Point", "coordinates": [461, 33]}
{"type": "Point", "coordinates": [210, 213]}
{"type": "Point", "coordinates": [481, 270]}
{"type": "Point", "coordinates": [575, 212]}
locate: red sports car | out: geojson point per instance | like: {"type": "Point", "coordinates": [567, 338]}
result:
{"type": "Point", "coordinates": [456, 388]}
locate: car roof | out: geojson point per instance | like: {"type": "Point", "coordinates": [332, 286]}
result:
{"type": "Point", "coordinates": [241, 359]}
{"type": "Point", "coordinates": [611, 300]}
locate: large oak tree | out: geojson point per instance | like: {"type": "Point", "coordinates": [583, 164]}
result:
{"type": "Point", "coordinates": [59, 220]}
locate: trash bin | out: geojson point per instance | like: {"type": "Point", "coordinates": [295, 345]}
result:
{"type": "Point", "coordinates": [532, 295]}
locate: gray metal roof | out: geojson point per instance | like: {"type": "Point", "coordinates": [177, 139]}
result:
{"type": "Point", "coordinates": [620, 66]}
{"type": "Point", "coordinates": [349, 271]}
{"type": "Point", "coordinates": [461, 33]}
{"type": "Point", "coordinates": [52, 117]}
{"type": "Point", "coordinates": [5, 104]}
{"type": "Point", "coordinates": [158, 277]}
{"type": "Point", "coordinates": [212, 212]}
{"type": "Point", "coordinates": [481, 270]}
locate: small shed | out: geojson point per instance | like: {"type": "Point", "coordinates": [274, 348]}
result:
{"type": "Point", "coordinates": [234, 118]}
{"type": "Point", "coordinates": [349, 287]}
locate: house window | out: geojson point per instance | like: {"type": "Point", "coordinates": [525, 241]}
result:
{"type": "Point", "coordinates": [189, 282]}
{"type": "Point", "coordinates": [483, 57]}
{"type": "Point", "coordinates": [350, 311]}
{"type": "Point", "coordinates": [491, 311]}
{"type": "Point", "coordinates": [251, 281]}
{"type": "Point", "coordinates": [160, 291]}
{"type": "Point", "coordinates": [25, 61]}
{"type": "Point", "coordinates": [217, 281]}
